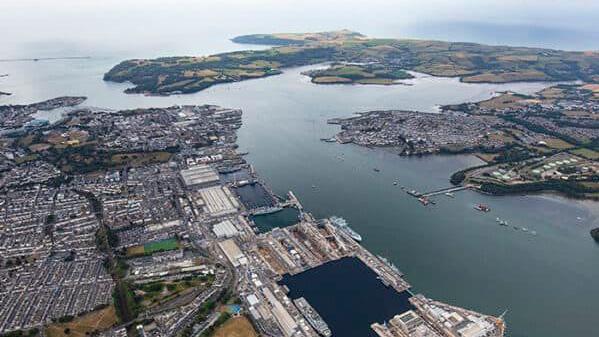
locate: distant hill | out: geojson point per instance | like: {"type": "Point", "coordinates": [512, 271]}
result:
{"type": "Point", "coordinates": [379, 61]}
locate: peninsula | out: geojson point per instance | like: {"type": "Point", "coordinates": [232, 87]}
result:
{"type": "Point", "coordinates": [356, 59]}
{"type": "Point", "coordinates": [543, 142]}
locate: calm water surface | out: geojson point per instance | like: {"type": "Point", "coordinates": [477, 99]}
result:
{"type": "Point", "coordinates": [448, 251]}
{"type": "Point", "coordinates": [286, 217]}
{"type": "Point", "coordinates": [349, 296]}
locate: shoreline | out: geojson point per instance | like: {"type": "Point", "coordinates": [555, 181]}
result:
{"type": "Point", "coordinates": [181, 74]}
{"type": "Point", "coordinates": [551, 192]}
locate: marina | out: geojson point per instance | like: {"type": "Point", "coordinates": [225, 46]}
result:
{"type": "Point", "coordinates": [287, 216]}
{"type": "Point", "coordinates": [256, 198]}
{"type": "Point", "coordinates": [312, 317]}
{"type": "Point", "coordinates": [348, 295]}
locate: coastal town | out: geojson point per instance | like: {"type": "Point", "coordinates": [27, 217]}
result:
{"type": "Point", "coordinates": [267, 168]}
{"type": "Point", "coordinates": [416, 133]}
{"type": "Point", "coordinates": [542, 142]}
{"type": "Point", "coordinates": [143, 223]}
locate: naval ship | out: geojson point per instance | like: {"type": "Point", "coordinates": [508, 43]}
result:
{"type": "Point", "coordinates": [342, 224]}
{"type": "Point", "coordinates": [312, 317]}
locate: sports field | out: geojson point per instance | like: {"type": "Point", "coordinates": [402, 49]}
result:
{"type": "Point", "coordinates": [153, 247]}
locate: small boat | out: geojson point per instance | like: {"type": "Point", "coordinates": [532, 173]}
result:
{"type": "Point", "coordinates": [241, 183]}
{"type": "Point", "coordinates": [524, 229]}
{"type": "Point", "coordinates": [449, 194]}
{"type": "Point", "coordinates": [376, 170]}
{"type": "Point", "coordinates": [395, 183]}
{"type": "Point", "coordinates": [424, 200]}
{"type": "Point", "coordinates": [389, 264]}
{"type": "Point", "coordinates": [482, 208]}
{"type": "Point", "coordinates": [497, 220]}
{"type": "Point", "coordinates": [414, 193]}
{"type": "Point", "coordinates": [267, 210]}
{"type": "Point", "coordinates": [328, 140]}
{"type": "Point", "coordinates": [385, 283]}
{"type": "Point", "coordinates": [313, 186]}
{"type": "Point", "coordinates": [533, 232]}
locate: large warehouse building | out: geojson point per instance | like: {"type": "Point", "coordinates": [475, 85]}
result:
{"type": "Point", "coordinates": [200, 175]}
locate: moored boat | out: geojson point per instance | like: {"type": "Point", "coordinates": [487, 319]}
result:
{"type": "Point", "coordinates": [482, 208]}
{"type": "Point", "coordinates": [312, 317]}
{"type": "Point", "coordinates": [341, 223]}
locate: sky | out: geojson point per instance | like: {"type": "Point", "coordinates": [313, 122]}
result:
{"type": "Point", "coordinates": [158, 27]}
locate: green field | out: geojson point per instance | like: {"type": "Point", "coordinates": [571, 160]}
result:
{"type": "Point", "coordinates": [156, 293]}
{"type": "Point", "coordinates": [586, 153]}
{"type": "Point", "coordinates": [363, 74]}
{"type": "Point", "coordinates": [356, 59]}
{"type": "Point", "coordinates": [153, 247]}
{"type": "Point", "coordinates": [163, 245]}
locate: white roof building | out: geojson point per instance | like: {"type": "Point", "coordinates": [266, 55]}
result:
{"type": "Point", "coordinates": [199, 175]}
{"type": "Point", "coordinates": [233, 253]}
{"type": "Point", "coordinates": [225, 229]}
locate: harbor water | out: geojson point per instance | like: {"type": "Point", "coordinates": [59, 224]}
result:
{"type": "Point", "coordinates": [348, 296]}
{"type": "Point", "coordinates": [448, 251]}
{"type": "Point", "coordinates": [286, 217]}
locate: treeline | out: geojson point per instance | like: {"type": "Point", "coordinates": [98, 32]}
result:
{"type": "Point", "coordinates": [589, 125]}
{"type": "Point", "coordinates": [459, 176]}
{"type": "Point", "coordinates": [22, 333]}
{"type": "Point", "coordinates": [266, 39]}
{"type": "Point", "coordinates": [126, 307]}
{"type": "Point", "coordinates": [88, 158]}
{"type": "Point", "coordinates": [570, 188]}
{"type": "Point", "coordinates": [592, 144]}
{"type": "Point", "coordinates": [595, 234]}
{"type": "Point", "coordinates": [220, 321]}
{"type": "Point", "coordinates": [511, 153]}
{"type": "Point", "coordinates": [541, 129]}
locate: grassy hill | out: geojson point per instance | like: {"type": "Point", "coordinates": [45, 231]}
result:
{"type": "Point", "coordinates": [471, 62]}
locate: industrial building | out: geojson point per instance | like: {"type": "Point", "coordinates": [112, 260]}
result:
{"type": "Point", "coordinates": [218, 201]}
{"type": "Point", "coordinates": [225, 229]}
{"type": "Point", "coordinates": [233, 253]}
{"type": "Point", "coordinates": [200, 175]}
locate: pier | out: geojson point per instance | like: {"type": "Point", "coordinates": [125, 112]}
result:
{"type": "Point", "coordinates": [444, 190]}
{"type": "Point", "coordinates": [440, 191]}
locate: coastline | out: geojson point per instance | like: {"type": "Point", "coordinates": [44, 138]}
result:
{"type": "Point", "coordinates": [468, 217]}
{"type": "Point", "coordinates": [357, 58]}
